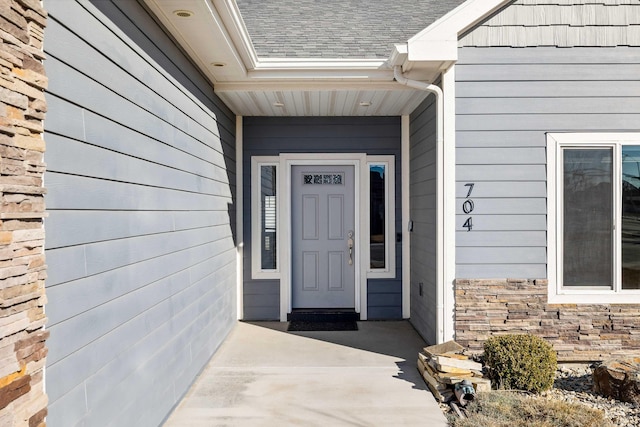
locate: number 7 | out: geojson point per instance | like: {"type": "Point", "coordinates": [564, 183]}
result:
{"type": "Point", "coordinates": [470, 185]}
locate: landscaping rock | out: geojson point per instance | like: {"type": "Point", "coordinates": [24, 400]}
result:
{"type": "Point", "coordinates": [574, 384]}
{"type": "Point", "coordinates": [619, 379]}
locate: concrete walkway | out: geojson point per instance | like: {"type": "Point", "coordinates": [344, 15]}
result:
{"type": "Point", "coordinates": [265, 376]}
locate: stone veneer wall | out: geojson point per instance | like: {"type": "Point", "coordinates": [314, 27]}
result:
{"type": "Point", "coordinates": [23, 401]}
{"type": "Point", "coordinates": [578, 332]}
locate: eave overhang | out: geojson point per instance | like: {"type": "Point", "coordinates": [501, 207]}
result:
{"type": "Point", "coordinates": [216, 39]}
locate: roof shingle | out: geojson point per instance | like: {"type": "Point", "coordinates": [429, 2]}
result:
{"type": "Point", "coordinates": [350, 29]}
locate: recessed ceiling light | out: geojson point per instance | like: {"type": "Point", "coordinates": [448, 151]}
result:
{"type": "Point", "coordinates": [278, 104]}
{"type": "Point", "coordinates": [218, 64]}
{"type": "Point", "coordinates": [183, 13]}
{"type": "Point", "coordinates": [365, 104]}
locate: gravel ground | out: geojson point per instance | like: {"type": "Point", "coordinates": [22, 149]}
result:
{"type": "Point", "coordinates": [574, 384]}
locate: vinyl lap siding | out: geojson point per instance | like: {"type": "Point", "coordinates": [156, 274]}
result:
{"type": "Point", "coordinates": [140, 245]}
{"type": "Point", "coordinates": [507, 99]}
{"type": "Point", "coordinates": [270, 136]}
{"type": "Point", "coordinates": [423, 214]}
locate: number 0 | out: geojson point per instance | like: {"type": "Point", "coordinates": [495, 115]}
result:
{"type": "Point", "coordinates": [467, 206]}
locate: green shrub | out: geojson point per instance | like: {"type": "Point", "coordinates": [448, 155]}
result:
{"type": "Point", "coordinates": [520, 362]}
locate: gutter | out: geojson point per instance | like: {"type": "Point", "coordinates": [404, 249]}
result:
{"type": "Point", "coordinates": [437, 91]}
{"type": "Point", "coordinates": [427, 87]}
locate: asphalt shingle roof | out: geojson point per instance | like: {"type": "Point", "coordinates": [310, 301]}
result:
{"type": "Point", "coordinates": [337, 28]}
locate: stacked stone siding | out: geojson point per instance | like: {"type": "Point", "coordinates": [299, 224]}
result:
{"type": "Point", "coordinates": [578, 332]}
{"type": "Point", "coordinates": [22, 265]}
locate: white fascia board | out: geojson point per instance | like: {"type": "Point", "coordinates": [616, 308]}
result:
{"type": "Point", "coordinates": [320, 64]}
{"type": "Point", "coordinates": [232, 19]}
{"type": "Point", "coordinates": [330, 69]}
{"type": "Point", "coordinates": [286, 85]}
{"type": "Point", "coordinates": [328, 74]}
{"type": "Point", "coordinates": [439, 41]}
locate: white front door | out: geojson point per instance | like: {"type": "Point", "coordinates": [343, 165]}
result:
{"type": "Point", "coordinates": [323, 236]}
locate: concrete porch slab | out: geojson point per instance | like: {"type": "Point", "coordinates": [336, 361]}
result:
{"type": "Point", "coordinates": [265, 376]}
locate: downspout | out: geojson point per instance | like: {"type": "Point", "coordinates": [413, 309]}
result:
{"type": "Point", "coordinates": [428, 87]}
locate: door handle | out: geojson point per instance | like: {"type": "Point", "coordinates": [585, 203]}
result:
{"type": "Point", "coordinates": [350, 246]}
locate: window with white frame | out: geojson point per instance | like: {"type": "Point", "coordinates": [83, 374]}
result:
{"type": "Point", "coordinates": [594, 217]}
{"type": "Point", "coordinates": [264, 220]}
{"type": "Point", "coordinates": [381, 216]}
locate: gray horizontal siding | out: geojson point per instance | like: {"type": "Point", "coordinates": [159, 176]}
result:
{"type": "Point", "coordinates": [507, 99]}
{"type": "Point", "coordinates": [140, 240]}
{"type": "Point", "coordinates": [264, 136]}
{"type": "Point", "coordinates": [422, 190]}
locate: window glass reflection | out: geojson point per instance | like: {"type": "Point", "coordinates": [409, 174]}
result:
{"type": "Point", "coordinates": [268, 217]}
{"type": "Point", "coordinates": [588, 218]}
{"type": "Point", "coordinates": [630, 217]}
{"type": "Point", "coordinates": [377, 216]}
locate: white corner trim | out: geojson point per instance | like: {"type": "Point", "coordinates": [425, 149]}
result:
{"type": "Point", "coordinates": [552, 213]}
{"type": "Point", "coordinates": [439, 41]}
{"type": "Point", "coordinates": [406, 215]}
{"type": "Point", "coordinates": [448, 213]}
{"type": "Point", "coordinates": [239, 222]}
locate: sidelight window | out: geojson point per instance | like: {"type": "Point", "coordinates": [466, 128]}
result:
{"type": "Point", "coordinates": [381, 216]}
{"type": "Point", "coordinates": [264, 232]}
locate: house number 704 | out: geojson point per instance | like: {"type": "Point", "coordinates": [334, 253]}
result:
{"type": "Point", "coordinates": [467, 207]}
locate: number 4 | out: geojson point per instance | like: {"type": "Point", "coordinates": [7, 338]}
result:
{"type": "Point", "coordinates": [468, 224]}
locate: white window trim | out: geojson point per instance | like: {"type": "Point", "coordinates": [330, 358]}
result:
{"type": "Point", "coordinates": [389, 271]}
{"type": "Point", "coordinates": [257, 272]}
{"type": "Point", "coordinates": [556, 293]}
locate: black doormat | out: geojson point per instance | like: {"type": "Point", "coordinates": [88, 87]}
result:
{"type": "Point", "coordinates": [298, 325]}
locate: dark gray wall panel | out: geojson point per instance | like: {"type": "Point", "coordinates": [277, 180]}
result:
{"type": "Point", "coordinates": [422, 187]}
{"type": "Point", "coordinates": [385, 298]}
{"type": "Point", "coordinates": [140, 238]}
{"type": "Point", "coordinates": [270, 136]}
{"type": "Point", "coordinates": [261, 298]}
{"type": "Point", "coordinates": [506, 100]}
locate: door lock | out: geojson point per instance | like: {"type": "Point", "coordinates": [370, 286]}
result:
{"type": "Point", "coordinates": [350, 246]}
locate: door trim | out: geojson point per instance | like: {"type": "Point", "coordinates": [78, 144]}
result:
{"type": "Point", "coordinates": [288, 160]}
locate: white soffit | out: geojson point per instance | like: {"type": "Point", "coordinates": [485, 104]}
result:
{"type": "Point", "coordinates": [214, 35]}
{"type": "Point", "coordinates": [202, 35]}
{"type": "Point", "coordinates": [320, 99]}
